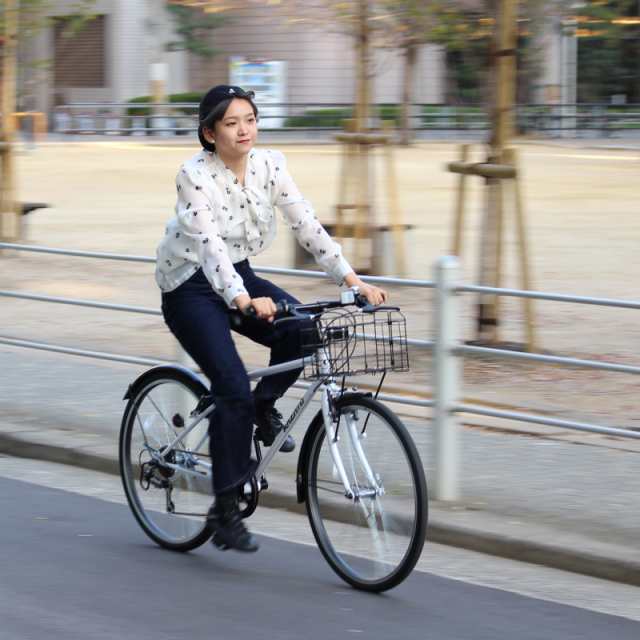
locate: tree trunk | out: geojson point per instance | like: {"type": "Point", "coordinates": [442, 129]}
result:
{"type": "Point", "coordinates": [410, 59]}
{"type": "Point", "coordinates": [9, 221]}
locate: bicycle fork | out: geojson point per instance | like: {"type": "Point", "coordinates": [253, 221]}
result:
{"type": "Point", "coordinates": [352, 491]}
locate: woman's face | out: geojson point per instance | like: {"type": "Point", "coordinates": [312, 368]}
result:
{"type": "Point", "coordinates": [235, 135]}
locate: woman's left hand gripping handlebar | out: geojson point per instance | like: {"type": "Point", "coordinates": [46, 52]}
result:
{"type": "Point", "coordinates": [374, 295]}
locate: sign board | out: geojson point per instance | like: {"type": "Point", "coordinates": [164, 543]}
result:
{"type": "Point", "coordinates": [268, 79]}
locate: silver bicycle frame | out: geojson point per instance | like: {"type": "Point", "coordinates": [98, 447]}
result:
{"type": "Point", "coordinates": [329, 389]}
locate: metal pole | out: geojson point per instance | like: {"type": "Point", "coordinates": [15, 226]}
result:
{"type": "Point", "coordinates": [446, 381]}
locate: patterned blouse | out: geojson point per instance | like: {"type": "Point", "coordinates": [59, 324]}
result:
{"type": "Point", "coordinates": [218, 222]}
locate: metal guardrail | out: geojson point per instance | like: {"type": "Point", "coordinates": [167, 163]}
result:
{"type": "Point", "coordinates": [447, 348]}
{"type": "Point", "coordinates": [149, 311]}
{"type": "Point", "coordinates": [447, 386]}
{"type": "Point", "coordinates": [181, 118]}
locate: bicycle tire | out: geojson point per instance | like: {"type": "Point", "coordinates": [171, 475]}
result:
{"type": "Point", "coordinates": [350, 532]}
{"type": "Point", "coordinates": [177, 392]}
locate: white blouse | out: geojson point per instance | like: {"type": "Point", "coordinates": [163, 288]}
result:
{"type": "Point", "coordinates": [219, 222]}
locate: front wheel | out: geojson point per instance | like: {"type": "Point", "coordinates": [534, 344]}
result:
{"type": "Point", "coordinates": [169, 491]}
{"type": "Point", "coordinates": [371, 535]}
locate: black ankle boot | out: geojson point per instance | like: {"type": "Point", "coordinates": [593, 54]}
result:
{"type": "Point", "coordinates": [269, 421]}
{"type": "Point", "coordinates": [227, 526]}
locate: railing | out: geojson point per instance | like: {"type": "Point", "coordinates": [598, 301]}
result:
{"type": "Point", "coordinates": [447, 387]}
{"type": "Point", "coordinates": [447, 349]}
{"type": "Point", "coordinates": [150, 311]}
{"type": "Point", "coordinates": [181, 118]}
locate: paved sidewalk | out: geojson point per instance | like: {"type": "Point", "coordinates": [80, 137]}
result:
{"type": "Point", "coordinates": [569, 502]}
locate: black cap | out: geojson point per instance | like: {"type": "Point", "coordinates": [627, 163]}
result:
{"type": "Point", "coordinates": [211, 100]}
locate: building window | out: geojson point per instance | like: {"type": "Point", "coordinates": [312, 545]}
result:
{"type": "Point", "coordinates": [79, 56]}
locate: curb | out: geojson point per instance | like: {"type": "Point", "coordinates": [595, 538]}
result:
{"type": "Point", "coordinates": [438, 531]}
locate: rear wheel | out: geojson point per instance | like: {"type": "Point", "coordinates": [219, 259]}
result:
{"type": "Point", "coordinates": [373, 536]}
{"type": "Point", "coordinates": [169, 493]}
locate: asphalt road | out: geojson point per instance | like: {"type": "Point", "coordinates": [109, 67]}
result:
{"type": "Point", "coordinates": [75, 566]}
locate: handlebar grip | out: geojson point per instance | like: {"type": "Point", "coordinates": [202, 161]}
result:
{"type": "Point", "coordinates": [282, 309]}
{"type": "Point", "coordinates": [363, 304]}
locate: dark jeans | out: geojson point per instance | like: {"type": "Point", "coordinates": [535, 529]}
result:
{"type": "Point", "coordinates": [201, 321]}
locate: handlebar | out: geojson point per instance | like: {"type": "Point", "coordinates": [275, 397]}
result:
{"type": "Point", "coordinates": [309, 311]}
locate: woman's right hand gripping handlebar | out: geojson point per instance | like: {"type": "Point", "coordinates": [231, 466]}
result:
{"type": "Point", "coordinates": [263, 308]}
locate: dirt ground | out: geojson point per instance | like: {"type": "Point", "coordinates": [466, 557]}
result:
{"type": "Point", "coordinates": [583, 226]}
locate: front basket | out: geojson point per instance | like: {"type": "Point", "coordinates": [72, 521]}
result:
{"type": "Point", "coordinates": [348, 342]}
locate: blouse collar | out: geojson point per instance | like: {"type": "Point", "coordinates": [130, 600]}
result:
{"type": "Point", "coordinates": [259, 214]}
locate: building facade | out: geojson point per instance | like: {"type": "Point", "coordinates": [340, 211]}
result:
{"type": "Point", "coordinates": [114, 58]}
{"type": "Point", "coordinates": [117, 55]}
{"type": "Point", "coordinates": [109, 60]}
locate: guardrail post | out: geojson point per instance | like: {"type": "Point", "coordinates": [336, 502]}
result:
{"type": "Point", "coordinates": [446, 381]}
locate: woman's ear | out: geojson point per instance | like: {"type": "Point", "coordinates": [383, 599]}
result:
{"type": "Point", "coordinates": [208, 135]}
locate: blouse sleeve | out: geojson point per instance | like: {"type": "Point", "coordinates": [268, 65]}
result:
{"type": "Point", "coordinates": [198, 217]}
{"type": "Point", "coordinates": [302, 220]}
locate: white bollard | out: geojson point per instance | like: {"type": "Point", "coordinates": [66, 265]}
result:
{"type": "Point", "coordinates": [446, 381]}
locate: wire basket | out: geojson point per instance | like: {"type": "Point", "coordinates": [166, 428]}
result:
{"type": "Point", "coordinates": [348, 342]}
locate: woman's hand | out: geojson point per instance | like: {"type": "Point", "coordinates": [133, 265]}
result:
{"type": "Point", "coordinates": [374, 295]}
{"type": "Point", "coordinates": [265, 308]}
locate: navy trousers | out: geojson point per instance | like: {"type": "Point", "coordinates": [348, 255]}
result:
{"type": "Point", "coordinates": [201, 321]}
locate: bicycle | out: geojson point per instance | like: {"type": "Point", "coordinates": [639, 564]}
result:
{"type": "Point", "coordinates": [358, 473]}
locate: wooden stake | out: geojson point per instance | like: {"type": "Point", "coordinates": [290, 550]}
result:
{"type": "Point", "coordinates": [458, 223]}
{"type": "Point", "coordinates": [394, 212]}
{"type": "Point", "coordinates": [510, 156]}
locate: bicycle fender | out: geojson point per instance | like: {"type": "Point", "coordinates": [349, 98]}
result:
{"type": "Point", "coordinates": [303, 458]}
{"type": "Point", "coordinates": [317, 423]}
{"type": "Point", "coordinates": [161, 370]}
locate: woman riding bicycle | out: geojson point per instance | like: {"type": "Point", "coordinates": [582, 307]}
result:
{"type": "Point", "coordinates": [224, 214]}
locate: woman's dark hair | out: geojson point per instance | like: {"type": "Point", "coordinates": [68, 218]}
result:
{"type": "Point", "coordinates": [213, 108]}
